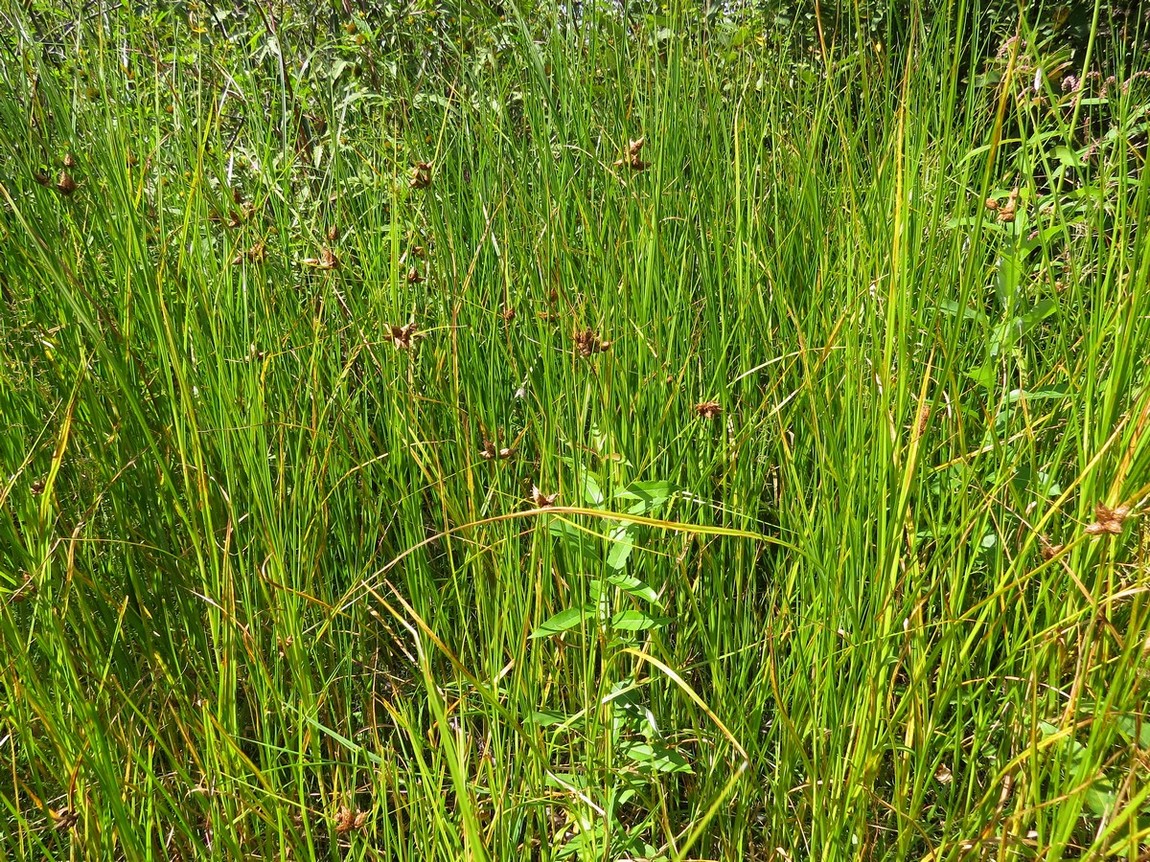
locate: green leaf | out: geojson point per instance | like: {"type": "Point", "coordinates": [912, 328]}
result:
{"type": "Point", "coordinates": [983, 375]}
{"type": "Point", "coordinates": [636, 621]}
{"type": "Point", "coordinates": [649, 495]}
{"type": "Point", "coordinates": [1134, 731]}
{"type": "Point", "coordinates": [656, 757]}
{"type": "Point", "coordinates": [579, 543]}
{"type": "Point", "coordinates": [592, 493]}
{"type": "Point", "coordinates": [621, 547]}
{"type": "Point", "coordinates": [546, 717]}
{"type": "Point", "coordinates": [965, 311]}
{"type": "Point", "coordinates": [1036, 315]}
{"type": "Point", "coordinates": [1043, 393]}
{"type": "Point", "coordinates": [1068, 157]}
{"type": "Point", "coordinates": [562, 621]}
{"type": "Point", "coordinates": [634, 587]}
{"type": "Point", "coordinates": [1101, 798]}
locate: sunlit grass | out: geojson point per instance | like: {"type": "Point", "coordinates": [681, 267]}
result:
{"type": "Point", "coordinates": [637, 446]}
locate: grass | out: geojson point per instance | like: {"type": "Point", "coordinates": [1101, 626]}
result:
{"type": "Point", "coordinates": [777, 500]}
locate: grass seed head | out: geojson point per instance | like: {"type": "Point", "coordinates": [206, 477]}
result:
{"type": "Point", "coordinates": [588, 342]}
{"type": "Point", "coordinates": [1049, 549]}
{"type": "Point", "coordinates": [65, 185]}
{"type": "Point", "coordinates": [709, 409]}
{"type": "Point", "coordinates": [326, 260]}
{"type": "Point", "coordinates": [541, 500]}
{"type": "Point", "coordinates": [420, 175]}
{"type": "Point", "coordinates": [65, 819]}
{"type": "Point", "coordinates": [347, 820]}
{"type": "Point", "coordinates": [1107, 520]}
{"type": "Point", "coordinates": [256, 254]}
{"type": "Point", "coordinates": [631, 156]}
{"type": "Point", "coordinates": [403, 337]}
{"type": "Point", "coordinates": [923, 421]}
{"type": "Point", "coordinates": [1008, 210]}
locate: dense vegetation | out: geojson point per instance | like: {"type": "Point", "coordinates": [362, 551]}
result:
{"type": "Point", "coordinates": [573, 432]}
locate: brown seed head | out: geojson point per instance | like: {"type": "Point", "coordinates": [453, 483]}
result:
{"type": "Point", "coordinates": [420, 175]}
{"type": "Point", "coordinates": [65, 819]}
{"type": "Point", "coordinates": [588, 342]}
{"type": "Point", "coordinates": [923, 420]}
{"type": "Point", "coordinates": [1007, 211]}
{"type": "Point", "coordinates": [1107, 520]}
{"type": "Point", "coordinates": [69, 160]}
{"type": "Point", "coordinates": [256, 254]}
{"type": "Point", "coordinates": [709, 409]}
{"type": "Point", "coordinates": [1049, 550]}
{"type": "Point", "coordinates": [326, 260]}
{"type": "Point", "coordinates": [403, 336]}
{"type": "Point", "coordinates": [347, 820]}
{"type": "Point", "coordinates": [65, 185]}
{"type": "Point", "coordinates": [541, 500]}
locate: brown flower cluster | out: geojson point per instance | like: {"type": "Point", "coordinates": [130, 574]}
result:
{"type": "Point", "coordinates": [1107, 520]}
{"type": "Point", "coordinates": [541, 500]}
{"type": "Point", "coordinates": [256, 254]}
{"type": "Point", "coordinates": [420, 175]}
{"type": "Point", "coordinates": [1006, 211]}
{"type": "Point", "coordinates": [403, 337]}
{"type": "Point", "coordinates": [631, 157]}
{"type": "Point", "coordinates": [326, 260]}
{"type": "Point", "coordinates": [588, 342]}
{"type": "Point", "coordinates": [347, 820]}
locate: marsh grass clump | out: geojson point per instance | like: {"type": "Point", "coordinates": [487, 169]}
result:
{"type": "Point", "coordinates": [573, 433]}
